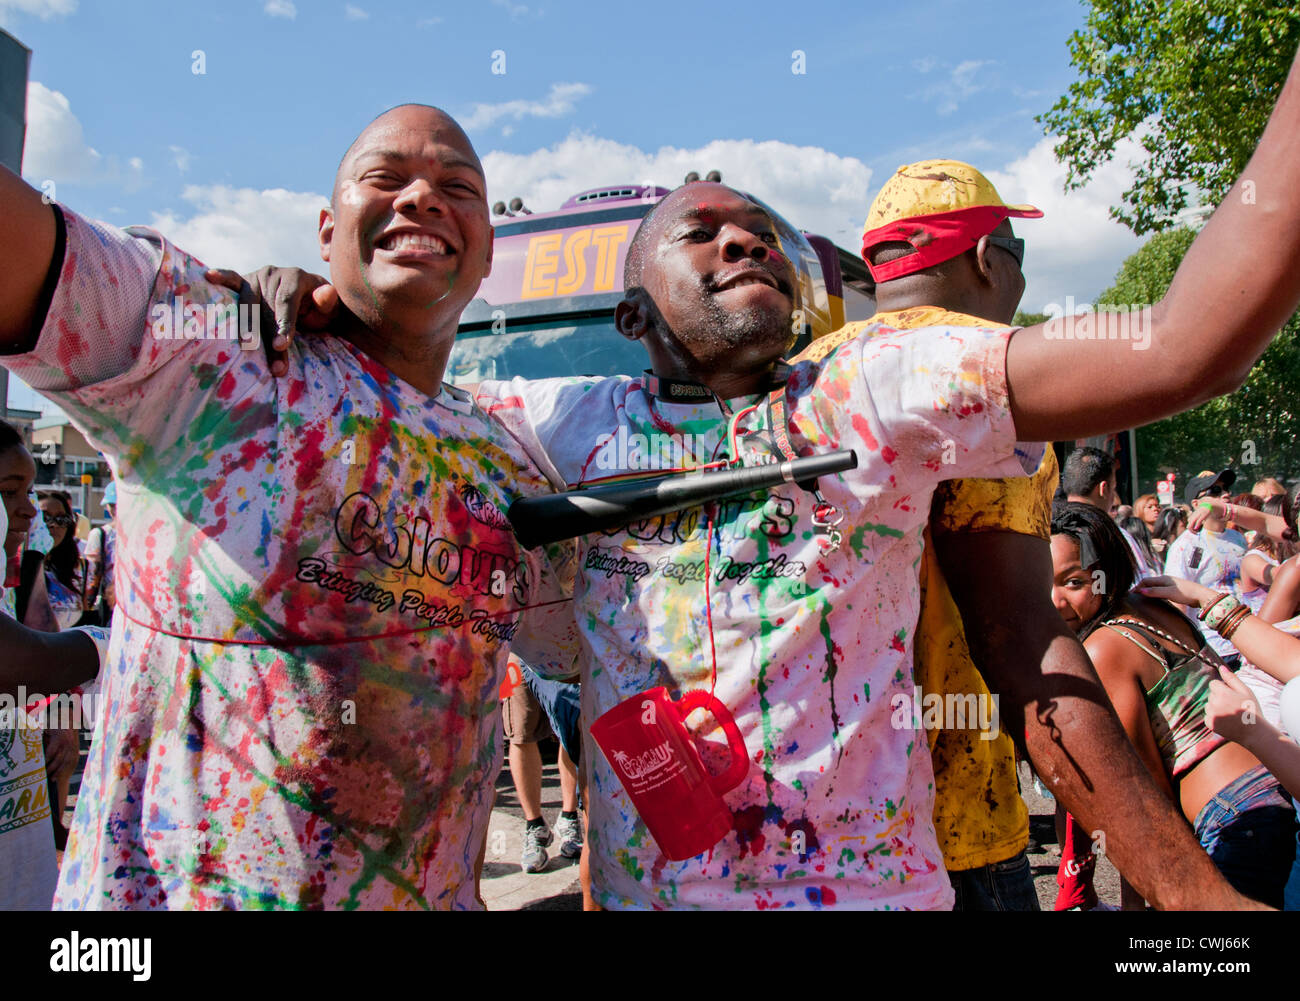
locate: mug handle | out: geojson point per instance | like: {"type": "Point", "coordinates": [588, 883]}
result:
{"type": "Point", "coordinates": [734, 775]}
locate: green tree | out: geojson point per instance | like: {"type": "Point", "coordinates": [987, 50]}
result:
{"type": "Point", "coordinates": [1193, 81]}
{"type": "Point", "coordinates": [1023, 319]}
{"type": "Point", "coordinates": [1253, 430]}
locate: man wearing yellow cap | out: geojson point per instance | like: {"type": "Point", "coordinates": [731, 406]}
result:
{"type": "Point", "coordinates": [939, 243]}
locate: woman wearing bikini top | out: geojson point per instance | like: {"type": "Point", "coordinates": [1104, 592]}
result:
{"type": "Point", "coordinates": [1157, 670]}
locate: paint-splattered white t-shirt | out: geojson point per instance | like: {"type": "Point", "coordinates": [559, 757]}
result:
{"type": "Point", "coordinates": [811, 645]}
{"type": "Point", "coordinates": [317, 591]}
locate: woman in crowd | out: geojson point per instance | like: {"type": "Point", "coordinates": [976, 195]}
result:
{"type": "Point", "coordinates": [1267, 487]}
{"type": "Point", "coordinates": [1269, 650]}
{"type": "Point", "coordinates": [1137, 530]}
{"type": "Point", "coordinates": [25, 598]}
{"type": "Point", "coordinates": [1157, 670]}
{"type": "Point", "coordinates": [1170, 524]}
{"type": "Point", "coordinates": [1147, 507]}
{"type": "Point", "coordinates": [65, 570]}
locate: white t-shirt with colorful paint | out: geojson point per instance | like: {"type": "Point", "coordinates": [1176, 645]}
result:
{"type": "Point", "coordinates": [812, 646]}
{"type": "Point", "coordinates": [317, 592]}
{"type": "Point", "coordinates": [1212, 559]}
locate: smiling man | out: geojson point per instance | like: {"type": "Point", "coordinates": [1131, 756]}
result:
{"type": "Point", "coordinates": [316, 585]}
{"type": "Point", "coordinates": [797, 607]}
{"type": "Point", "coordinates": [811, 598]}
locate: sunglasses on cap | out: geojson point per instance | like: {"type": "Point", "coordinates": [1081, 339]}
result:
{"type": "Point", "coordinates": [1013, 245]}
{"type": "Point", "coordinates": [1216, 490]}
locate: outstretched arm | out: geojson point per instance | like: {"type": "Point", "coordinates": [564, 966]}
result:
{"type": "Point", "coordinates": [1246, 518]}
{"type": "Point", "coordinates": [1271, 650]}
{"type": "Point", "coordinates": [1051, 695]}
{"type": "Point", "coordinates": [27, 236]}
{"type": "Point", "coordinates": [44, 662]}
{"type": "Point", "coordinates": [1236, 287]}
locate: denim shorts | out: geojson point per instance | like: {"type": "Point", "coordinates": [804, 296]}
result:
{"type": "Point", "coordinates": [999, 886]}
{"type": "Point", "coordinates": [1249, 830]}
{"type": "Point", "coordinates": [559, 700]}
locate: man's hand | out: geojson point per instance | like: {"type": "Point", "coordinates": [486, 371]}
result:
{"type": "Point", "coordinates": [1205, 509]}
{"type": "Point", "coordinates": [290, 299]}
{"type": "Point", "coordinates": [1232, 710]}
{"type": "Point", "coordinates": [1184, 592]}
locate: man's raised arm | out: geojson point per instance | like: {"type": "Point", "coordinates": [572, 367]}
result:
{"type": "Point", "coordinates": [1236, 287]}
{"type": "Point", "coordinates": [1053, 701]}
{"type": "Point", "coordinates": [27, 235]}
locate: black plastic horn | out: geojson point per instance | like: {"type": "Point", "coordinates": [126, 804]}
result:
{"type": "Point", "coordinates": [567, 515]}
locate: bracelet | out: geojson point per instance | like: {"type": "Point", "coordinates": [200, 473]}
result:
{"type": "Point", "coordinates": [1221, 611]}
{"type": "Point", "coordinates": [1230, 627]}
{"type": "Point", "coordinates": [1206, 610]}
{"type": "Point", "coordinates": [1230, 621]}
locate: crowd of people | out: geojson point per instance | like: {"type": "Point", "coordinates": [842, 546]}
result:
{"type": "Point", "coordinates": [1160, 632]}
{"type": "Point", "coordinates": [318, 594]}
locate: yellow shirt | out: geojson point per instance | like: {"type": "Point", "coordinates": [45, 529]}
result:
{"type": "Point", "coordinates": [978, 813]}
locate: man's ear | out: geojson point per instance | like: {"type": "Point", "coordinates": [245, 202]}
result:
{"type": "Point", "coordinates": [632, 314]}
{"type": "Point", "coordinates": [983, 266]}
{"type": "Point", "coordinates": [325, 232]}
{"type": "Point", "coordinates": [492, 241]}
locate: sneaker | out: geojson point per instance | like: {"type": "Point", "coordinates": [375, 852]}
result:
{"type": "Point", "coordinates": [570, 834]}
{"type": "Point", "coordinates": [533, 857]}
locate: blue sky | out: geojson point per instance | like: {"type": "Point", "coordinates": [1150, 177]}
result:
{"type": "Point", "coordinates": [234, 162]}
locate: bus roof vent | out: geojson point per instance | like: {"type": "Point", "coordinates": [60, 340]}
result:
{"type": "Point", "coordinates": [619, 193]}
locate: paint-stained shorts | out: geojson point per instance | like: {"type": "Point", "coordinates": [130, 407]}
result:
{"type": "Point", "coordinates": [525, 722]}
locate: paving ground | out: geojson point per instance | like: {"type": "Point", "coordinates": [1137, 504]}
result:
{"type": "Point", "coordinates": [506, 887]}
{"type": "Point", "coordinates": [1043, 863]}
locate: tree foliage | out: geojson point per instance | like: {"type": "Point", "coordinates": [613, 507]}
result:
{"type": "Point", "coordinates": [1254, 430]}
{"type": "Point", "coordinates": [1193, 81]}
{"type": "Point", "coordinates": [1023, 319]}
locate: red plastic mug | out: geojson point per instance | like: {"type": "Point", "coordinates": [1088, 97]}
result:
{"type": "Point", "coordinates": [646, 742]}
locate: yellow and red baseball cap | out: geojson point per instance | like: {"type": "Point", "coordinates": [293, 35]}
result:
{"type": "Point", "coordinates": [940, 207]}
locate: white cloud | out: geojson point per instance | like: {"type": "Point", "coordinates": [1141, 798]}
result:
{"type": "Point", "coordinates": [559, 101]}
{"type": "Point", "coordinates": [355, 13]}
{"type": "Point", "coordinates": [56, 147]}
{"type": "Point", "coordinates": [281, 8]}
{"type": "Point", "coordinates": [815, 189]}
{"type": "Point", "coordinates": [515, 10]}
{"type": "Point", "coordinates": [181, 157]}
{"type": "Point", "coordinates": [243, 228]}
{"type": "Point", "coordinates": [961, 85]}
{"type": "Point", "coordinates": [1076, 248]}
{"type": "Point", "coordinates": [44, 9]}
